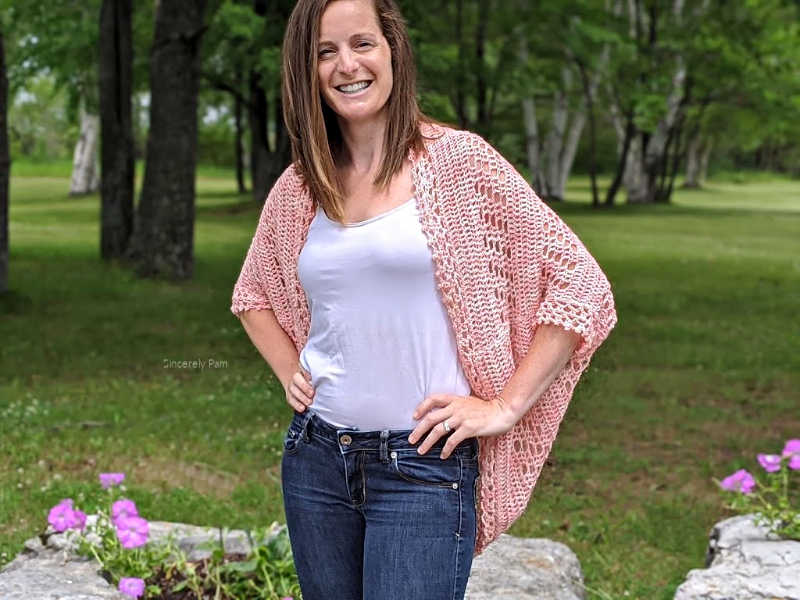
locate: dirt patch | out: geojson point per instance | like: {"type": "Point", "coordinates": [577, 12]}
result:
{"type": "Point", "coordinates": [197, 476]}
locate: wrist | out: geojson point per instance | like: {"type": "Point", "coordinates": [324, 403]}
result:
{"type": "Point", "coordinates": [509, 415]}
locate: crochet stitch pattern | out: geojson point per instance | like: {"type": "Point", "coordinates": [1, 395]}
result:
{"type": "Point", "coordinates": [504, 263]}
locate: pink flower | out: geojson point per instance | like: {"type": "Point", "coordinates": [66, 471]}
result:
{"type": "Point", "coordinates": [60, 516]}
{"type": "Point", "coordinates": [131, 586]}
{"type": "Point", "coordinates": [741, 481]}
{"type": "Point", "coordinates": [123, 508]}
{"type": "Point", "coordinates": [63, 516]}
{"type": "Point", "coordinates": [79, 519]}
{"type": "Point", "coordinates": [770, 462]}
{"type": "Point", "coordinates": [109, 479]}
{"type": "Point", "coordinates": [792, 450]}
{"type": "Point", "coordinates": [132, 531]}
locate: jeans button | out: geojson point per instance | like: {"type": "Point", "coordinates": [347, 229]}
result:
{"type": "Point", "coordinates": [346, 439]}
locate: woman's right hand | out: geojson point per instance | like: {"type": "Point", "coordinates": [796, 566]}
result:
{"type": "Point", "coordinates": [299, 392]}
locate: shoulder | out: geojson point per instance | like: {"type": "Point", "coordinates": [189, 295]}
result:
{"type": "Point", "coordinates": [469, 155]}
{"type": "Point", "coordinates": [463, 143]}
{"type": "Point", "coordinates": [289, 182]}
{"type": "Point", "coordinates": [286, 191]}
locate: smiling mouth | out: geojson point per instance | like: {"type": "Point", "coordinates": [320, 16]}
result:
{"type": "Point", "coordinates": [360, 89]}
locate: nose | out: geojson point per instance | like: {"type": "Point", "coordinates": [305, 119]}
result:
{"type": "Point", "coordinates": [346, 62]}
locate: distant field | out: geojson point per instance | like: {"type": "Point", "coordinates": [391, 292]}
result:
{"type": "Point", "coordinates": [700, 374]}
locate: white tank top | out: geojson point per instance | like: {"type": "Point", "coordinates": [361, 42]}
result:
{"type": "Point", "coordinates": [380, 339]}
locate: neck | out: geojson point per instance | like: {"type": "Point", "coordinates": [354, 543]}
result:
{"type": "Point", "coordinates": [362, 150]}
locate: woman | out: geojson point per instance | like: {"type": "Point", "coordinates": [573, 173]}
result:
{"type": "Point", "coordinates": [394, 285]}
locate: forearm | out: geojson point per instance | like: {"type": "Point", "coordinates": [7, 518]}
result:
{"type": "Point", "coordinates": [549, 351]}
{"type": "Point", "coordinates": [272, 342]}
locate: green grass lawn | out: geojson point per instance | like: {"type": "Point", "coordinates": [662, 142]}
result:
{"type": "Point", "coordinates": [701, 373]}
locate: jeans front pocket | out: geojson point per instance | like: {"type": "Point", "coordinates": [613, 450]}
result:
{"type": "Point", "coordinates": [427, 469]}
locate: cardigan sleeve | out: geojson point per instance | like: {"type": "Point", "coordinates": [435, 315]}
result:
{"type": "Point", "coordinates": [576, 294]}
{"type": "Point", "coordinates": [250, 290]}
{"type": "Point", "coordinates": [260, 272]}
{"type": "Point", "coordinates": [556, 280]}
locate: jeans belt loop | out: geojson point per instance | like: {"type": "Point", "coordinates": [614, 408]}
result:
{"type": "Point", "coordinates": [384, 448]}
{"type": "Point", "coordinates": [305, 424]}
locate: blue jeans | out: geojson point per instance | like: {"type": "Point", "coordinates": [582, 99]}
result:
{"type": "Point", "coordinates": [370, 519]}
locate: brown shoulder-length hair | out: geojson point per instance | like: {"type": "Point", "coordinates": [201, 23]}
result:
{"type": "Point", "coordinates": [311, 124]}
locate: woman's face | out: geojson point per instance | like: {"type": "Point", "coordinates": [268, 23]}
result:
{"type": "Point", "coordinates": [352, 49]}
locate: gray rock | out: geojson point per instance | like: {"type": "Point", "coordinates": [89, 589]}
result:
{"type": "Point", "coordinates": [54, 571]}
{"type": "Point", "coordinates": [745, 561]}
{"type": "Point", "coordinates": [510, 568]}
{"type": "Point", "coordinates": [46, 573]}
{"type": "Point", "coordinates": [513, 568]}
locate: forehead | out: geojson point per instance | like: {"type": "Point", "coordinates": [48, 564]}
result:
{"type": "Point", "coordinates": [343, 18]}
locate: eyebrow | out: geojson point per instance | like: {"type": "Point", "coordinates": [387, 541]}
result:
{"type": "Point", "coordinates": [355, 35]}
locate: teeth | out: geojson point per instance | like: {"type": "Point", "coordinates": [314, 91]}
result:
{"type": "Point", "coordinates": [353, 87]}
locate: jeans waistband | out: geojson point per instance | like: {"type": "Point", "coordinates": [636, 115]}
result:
{"type": "Point", "coordinates": [356, 439]}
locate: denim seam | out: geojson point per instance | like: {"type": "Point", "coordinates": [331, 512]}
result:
{"type": "Point", "coordinates": [459, 533]}
{"type": "Point", "coordinates": [346, 476]}
{"type": "Point", "coordinates": [362, 458]}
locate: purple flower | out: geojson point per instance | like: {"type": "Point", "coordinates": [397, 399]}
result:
{"type": "Point", "coordinates": [63, 516]}
{"type": "Point", "coordinates": [123, 508]}
{"type": "Point", "coordinates": [792, 450]}
{"type": "Point", "coordinates": [132, 531]}
{"type": "Point", "coordinates": [131, 586]}
{"type": "Point", "coordinates": [770, 462]}
{"type": "Point", "coordinates": [79, 519]}
{"type": "Point", "coordinates": [60, 516]}
{"type": "Point", "coordinates": [109, 479]}
{"type": "Point", "coordinates": [741, 481]}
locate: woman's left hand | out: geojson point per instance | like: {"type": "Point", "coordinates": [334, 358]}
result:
{"type": "Point", "coordinates": [467, 416]}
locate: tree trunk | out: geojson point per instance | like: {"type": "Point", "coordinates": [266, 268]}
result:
{"type": "Point", "coordinates": [554, 143]}
{"type": "Point", "coordinates": [163, 240]}
{"type": "Point", "coordinates": [483, 7]}
{"type": "Point", "coordinates": [628, 130]}
{"type": "Point", "coordinates": [563, 137]}
{"type": "Point", "coordinates": [704, 156]}
{"type": "Point", "coordinates": [588, 94]}
{"type": "Point", "coordinates": [239, 146]}
{"type": "Point", "coordinates": [532, 142]}
{"type": "Point", "coordinates": [648, 159]}
{"type": "Point", "coordinates": [85, 176]}
{"type": "Point", "coordinates": [116, 126]}
{"type": "Point", "coordinates": [460, 101]}
{"type": "Point", "coordinates": [570, 148]}
{"type": "Point", "coordinates": [697, 160]}
{"type": "Point", "coordinates": [282, 155]}
{"type": "Point", "coordinates": [259, 142]}
{"type": "Point", "coordinates": [5, 168]}
{"type": "Point", "coordinates": [266, 163]}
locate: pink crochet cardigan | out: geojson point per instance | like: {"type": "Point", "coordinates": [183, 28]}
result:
{"type": "Point", "coordinates": [504, 263]}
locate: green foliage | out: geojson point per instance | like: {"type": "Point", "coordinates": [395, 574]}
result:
{"type": "Point", "coordinates": [265, 573]}
{"type": "Point", "coordinates": [775, 501]}
{"type": "Point", "coordinates": [629, 488]}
